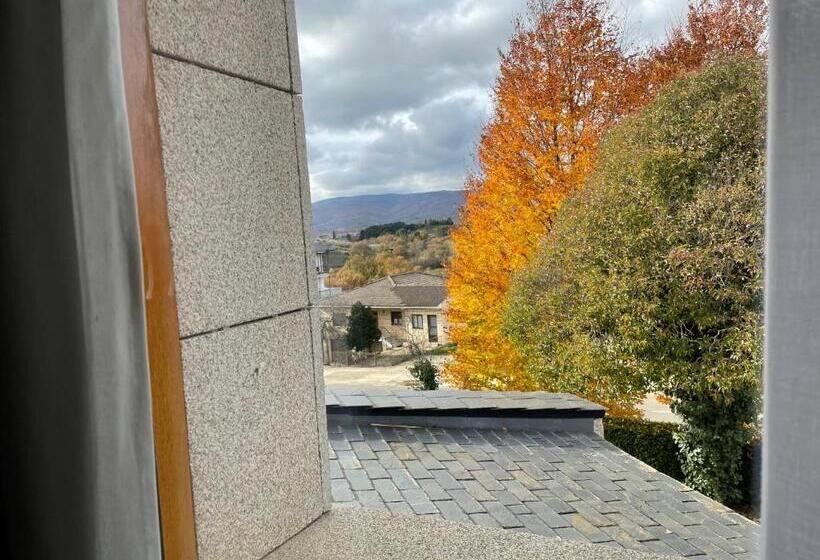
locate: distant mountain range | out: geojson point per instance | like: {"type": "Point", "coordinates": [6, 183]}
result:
{"type": "Point", "coordinates": [352, 213]}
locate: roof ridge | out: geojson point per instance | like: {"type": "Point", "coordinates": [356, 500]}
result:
{"type": "Point", "coordinates": [417, 272]}
{"type": "Point", "coordinates": [375, 281]}
{"type": "Point", "coordinates": [390, 277]}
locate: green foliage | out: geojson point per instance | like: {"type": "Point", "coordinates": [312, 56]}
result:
{"type": "Point", "coordinates": [371, 232]}
{"type": "Point", "coordinates": [713, 442]}
{"type": "Point", "coordinates": [651, 276]}
{"type": "Point", "coordinates": [655, 443]}
{"type": "Point", "coordinates": [443, 350]}
{"type": "Point", "coordinates": [363, 327]}
{"type": "Point", "coordinates": [651, 442]}
{"type": "Point", "coordinates": [425, 373]}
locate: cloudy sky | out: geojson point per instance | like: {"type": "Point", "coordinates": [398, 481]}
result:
{"type": "Point", "coordinates": [396, 91]}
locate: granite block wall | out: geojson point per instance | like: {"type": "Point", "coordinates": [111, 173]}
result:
{"type": "Point", "coordinates": [228, 86]}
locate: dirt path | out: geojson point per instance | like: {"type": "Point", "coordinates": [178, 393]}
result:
{"type": "Point", "coordinates": [389, 376]}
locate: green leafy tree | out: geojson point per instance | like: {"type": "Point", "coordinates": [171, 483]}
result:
{"type": "Point", "coordinates": [651, 277]}
{"type": "Point", "coordinates": [362, 328]}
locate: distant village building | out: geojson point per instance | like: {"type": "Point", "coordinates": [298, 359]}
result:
{"type": "Point", "coordinates": [410, 308]}
{"type": "Point", "coordinates": [327, 257]}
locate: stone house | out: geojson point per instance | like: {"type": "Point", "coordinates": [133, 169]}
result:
{"type": "Point", "coordinates": [410, 308]}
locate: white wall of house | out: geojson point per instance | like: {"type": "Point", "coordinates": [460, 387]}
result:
{"type": "Point", "coordinates": [407, 332]}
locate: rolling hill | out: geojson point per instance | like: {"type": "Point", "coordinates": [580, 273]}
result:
{"type": "Point", "coordinates": [352, 213]}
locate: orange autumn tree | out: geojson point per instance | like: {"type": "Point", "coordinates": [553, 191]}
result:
{"type": "Point", "coordinates": [560, 86]}
{"type": "Point", "coordinates": [564, 80]}
{"type": "Point", "coordinates": [712, 28]}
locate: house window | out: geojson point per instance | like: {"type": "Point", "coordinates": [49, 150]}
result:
{"type": "Point", "coordinates": [395, 318]}
{"type": "Point", "coordinates": [432, 328]}
{"type": "Point", "coordinates": [418, 321]}
{"type": "Point", "coordinates": [339, 320]}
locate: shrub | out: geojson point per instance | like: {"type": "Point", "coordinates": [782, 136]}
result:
{"type": "Point", "coordinates": [651, 276]}
{"type": "Point", "coordinates": [363, 327]}
{"type": "Point", "coordinates": [713, 442]}
{"type": "Point", "coordinates": [651, 442]}
{"type": "Point", "coordinates": [443, 350]}
{"type": "Point", "coordinates": [425, 373]}
{"type": "Point", "coordinates": [654, 443]}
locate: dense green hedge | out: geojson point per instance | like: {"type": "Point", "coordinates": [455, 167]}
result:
{"type": "Point", "coordinates": [651, 442]}
{"type": "Point", "coordinates": [654, 444]}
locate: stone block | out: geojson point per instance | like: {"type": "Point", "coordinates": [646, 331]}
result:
{"type": "Point", "coordinates": [253, 437]}
{"type": "Point", "coordinates": [248, 38]}
{"type": "Point", "coordinates": [234, 202]}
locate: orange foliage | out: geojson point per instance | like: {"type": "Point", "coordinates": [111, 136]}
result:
{"type": "Point", "coordinates": [713, 28]}
{"type": "Point", "coordinates": [362, 269]}
{"type": "Point", "coordinates": [563, 81]}
{"type": "Point", "coordinates": [560, 86]}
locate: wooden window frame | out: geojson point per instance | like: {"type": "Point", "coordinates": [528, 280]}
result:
{"type": "Point", "coordinates": [164, 351]}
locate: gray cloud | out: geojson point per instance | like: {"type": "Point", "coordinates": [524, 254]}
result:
{"type": "Point", "coordinates": [396, 91]}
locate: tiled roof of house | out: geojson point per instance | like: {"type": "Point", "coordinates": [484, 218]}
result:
{"type": "Point", "coordinates": [411, 289]}
{"type": "Point", "coordinates": [571, 485]}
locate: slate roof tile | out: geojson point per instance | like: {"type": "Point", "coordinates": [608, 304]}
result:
{"type": "Point", "coordinates": [535, 525]}
{"type": "Point", "coordinates": [387, 490]}
{"type": "Point", "coordinates": [412, 289]}
{"type": "Point", "coordinates": [448, 400]}
{"type": "Point", "coordinates": [449, 510]}
{"type": "Point", "coordinates": [594, 493]}
{"type": "Point", "coordinates": [484, 519]}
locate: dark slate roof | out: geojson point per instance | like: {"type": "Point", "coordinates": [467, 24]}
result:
{"type": "Point", "coordinates": [364, 534]}
{"type": "Point", "coordinates": [412, 289]}
{"type": "Point", "coordinates": [396, 402]}
{"type": "Point", "coordinates": [558, 484]}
